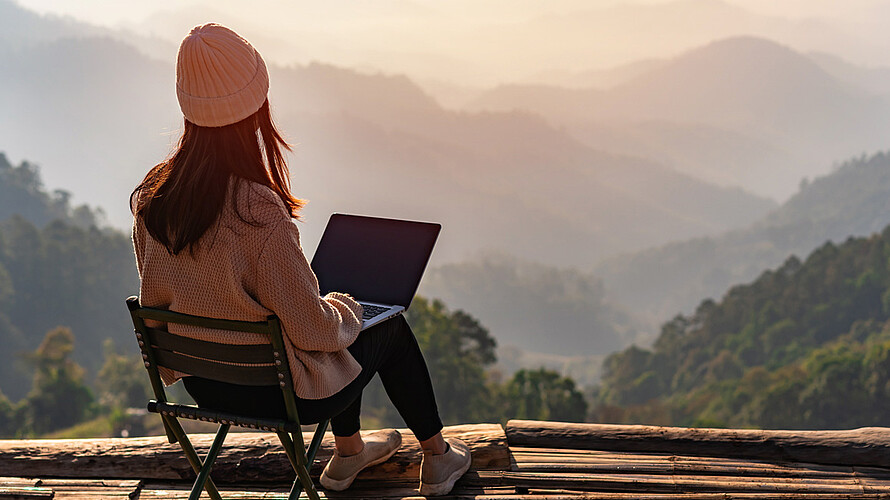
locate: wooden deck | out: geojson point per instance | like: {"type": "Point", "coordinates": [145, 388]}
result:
{"type": "Point", "coordinates": [524, 461]}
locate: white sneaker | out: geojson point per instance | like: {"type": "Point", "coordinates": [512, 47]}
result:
{"type": "Point", "coordinates": [340, 471]}
{"type": "Point", "coordinates": [438, 473]}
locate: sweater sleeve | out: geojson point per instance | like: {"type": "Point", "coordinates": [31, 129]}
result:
{"type": "Point", "coordinates": [287, 286]}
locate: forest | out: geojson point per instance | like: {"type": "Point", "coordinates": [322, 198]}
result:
{"type": "Point", "coordinates": [70, 367]}
{"type": "Point", "coordinates": [804, 346]}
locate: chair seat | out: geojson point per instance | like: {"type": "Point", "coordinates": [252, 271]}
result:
{"type": "Point", "coordinates": [221, 417]}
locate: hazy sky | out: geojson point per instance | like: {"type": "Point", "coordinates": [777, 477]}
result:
{"type": "Point", "coordinates": [115, 12]}
{"type": "Point", "coordinates": [487, 42]}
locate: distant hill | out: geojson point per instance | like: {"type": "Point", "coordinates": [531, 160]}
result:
{"type": "Point", "coordinates": [534, 307]}
{"type": "Point", "coordinates": [875, 80]}
{"type": "Point", "coordinates": [765, 114]}
{"type": "Point", "coordinates": [366, 143]}
{"type": "Point", "coordinates": [20, 27]}
{"type": "Point", "coordinates": [854, 200]}
{"type": "Point", "coordinates": [804, 346]}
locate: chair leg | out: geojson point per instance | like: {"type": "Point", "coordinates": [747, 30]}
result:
{"type": "Point", "coordinates": [316, 441]}
{"type": "Point", "coordinates": [303, 481]}
{"type": "Point", "coordinates": [288, 446]}
{"type": "Point", "coordinates": [191, 455]}
{"type": "Point", "coordinates": [204, 474]}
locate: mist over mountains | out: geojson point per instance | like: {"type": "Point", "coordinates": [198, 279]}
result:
{"type": "Point", "coordinates": [366, 143]}
{"type": "Point", "coordinates": [742, 111]}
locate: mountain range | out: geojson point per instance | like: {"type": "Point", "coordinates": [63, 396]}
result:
{"type": "Point", "coordinates": [742, 111]}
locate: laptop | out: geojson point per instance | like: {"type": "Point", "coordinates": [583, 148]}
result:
{"type": "Point", "coordinates": [377, 261]}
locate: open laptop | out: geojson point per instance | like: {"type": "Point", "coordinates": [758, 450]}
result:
{"type": "Point", "coordinates": [378, 261]}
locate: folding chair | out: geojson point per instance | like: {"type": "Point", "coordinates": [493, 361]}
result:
{"type": "Point", "coordinates": [259, 364]}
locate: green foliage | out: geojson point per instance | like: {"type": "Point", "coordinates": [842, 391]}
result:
{"type": "Point", "coordinates": [9, 421]}
{"type": "Point", "coordinates": [803, 346]}
{"type": "Point", "coordinates": [56, 267]}
{"type": "Point", "coordinates": [122, 381]}
{"type": "Point", "coordinates": [59, 397]}
{"type": "Point", "coordinates": [544, 395]}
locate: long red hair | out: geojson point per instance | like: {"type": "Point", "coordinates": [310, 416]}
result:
{"type": "Point", "coordinates": [182, 197]}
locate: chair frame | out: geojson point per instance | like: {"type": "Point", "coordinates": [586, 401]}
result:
{"type": "Point", "coordinates": [262, 364]}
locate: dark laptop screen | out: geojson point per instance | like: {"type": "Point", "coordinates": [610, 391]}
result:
{"type": "Point", "coordinates": [373, 259]}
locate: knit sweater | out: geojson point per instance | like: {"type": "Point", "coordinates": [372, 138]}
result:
{"type": "Point", "coordinates": [247, 271]}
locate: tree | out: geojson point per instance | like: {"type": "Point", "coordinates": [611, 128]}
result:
{"type": "Point", "coordinates": [544, 394]}
{"type": "Point", "coordinates": [457, 350]}
{"type": "Point", "coordinates": [8, 417]}
{"type": "Point", "coordinates": [59, 397]}
{"type": "Point", "coordinates": [122, 382]}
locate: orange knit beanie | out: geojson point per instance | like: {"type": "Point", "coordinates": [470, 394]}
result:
{"type": "Point", "coordinates": [220, 78]}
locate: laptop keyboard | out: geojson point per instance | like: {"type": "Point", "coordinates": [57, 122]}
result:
{"type": "Point", "coordinates": [371, 311]}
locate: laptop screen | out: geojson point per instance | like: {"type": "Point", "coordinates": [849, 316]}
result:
{"type": "Point", "coordinates": [374, 259]}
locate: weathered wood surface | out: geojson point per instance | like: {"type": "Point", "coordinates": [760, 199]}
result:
{"type": "Point", "coordinates": [580, 461]}
{"type": "Point", "coordinates": [246, 457]}
{"type": "Point", "coordinates": [676, 483]}
{"type": "Point", "coordinates": [868, 446]}
{"type": "Point", "coordinates": [68, 489]}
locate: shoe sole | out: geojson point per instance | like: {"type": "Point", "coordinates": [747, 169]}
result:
{"type": "Point", "coordinates": [342, 484]}
{"type": "Point", "coordinates": [445, 487]}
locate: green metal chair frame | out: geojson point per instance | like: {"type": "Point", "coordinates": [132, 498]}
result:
{"type": "Point", "coordinates": [255, 364]}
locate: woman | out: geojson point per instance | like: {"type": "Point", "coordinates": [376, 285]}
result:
{"type": "Point", "coordinates": [214, 236]}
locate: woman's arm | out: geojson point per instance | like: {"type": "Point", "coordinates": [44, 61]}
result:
{"type": "Point", "coordinates": [287, 286]}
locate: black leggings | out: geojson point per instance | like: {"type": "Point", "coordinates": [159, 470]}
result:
{"type": "Point", "coordinates": [388, 348]}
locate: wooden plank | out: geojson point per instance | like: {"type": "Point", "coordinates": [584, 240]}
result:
{"type": "Point", "coordinates": [246, 457]}
{"type": "Point", "coordinates": [864, 446]}
{"type": "Point", "coordinates": [668, 469]}
{"type": "Point", "coordinates": [24, 493]}
{"type": "Point", "coordinates": [72, 489]}
{"type": "Point", "coordinates": [646, 483]}
{"type": "Point", "coordinates": [670, 464]}
{"type": "Point", "coordinates": [548, 494]}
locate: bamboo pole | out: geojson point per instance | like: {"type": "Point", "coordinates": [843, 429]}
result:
{"type": "Point", "coordinates": [866, 446]}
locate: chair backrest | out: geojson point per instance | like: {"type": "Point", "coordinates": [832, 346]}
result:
{"type": "Point", "coordinates": [251, 364]}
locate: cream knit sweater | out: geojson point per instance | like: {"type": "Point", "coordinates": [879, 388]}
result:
{"type": "Point", "coordinates": [246, 272]}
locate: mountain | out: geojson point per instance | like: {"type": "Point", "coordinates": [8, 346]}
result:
{"type": "Point", "coordinates": [854, 200]}
{"type": "Point", "coordinates": [366, 143]}
{"type": "Point", "coordinates": [21, 28]}
{"type": "Point", "coordinates": [804, 346]}
{"type": "Point", "coordinates": [775, 113]}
